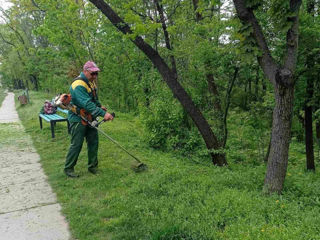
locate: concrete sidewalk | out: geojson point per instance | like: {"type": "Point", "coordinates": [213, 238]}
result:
{"type": "Point", "coordinates": [7, 111]}
{"type": "Point", "coordinates": [28, 207]}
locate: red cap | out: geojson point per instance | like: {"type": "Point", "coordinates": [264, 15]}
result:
{"type": "Point", "coordinates": [91, 67]}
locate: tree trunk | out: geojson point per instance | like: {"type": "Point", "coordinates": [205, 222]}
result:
{"type": "Point", "coordinates": [308, 104]}
{"type": "Point", "coordinates": [318, 137]}
{"type": "Point", "coordinates": [280, 139]}
{"type": "Point", "coordinates": [217, 113]}
{"type": "Point", "coordinates": [171, 78]}
{"type": "Point", "coordinates": [318, 130]}
{"type": "Point", "coordinates": [213, 90]}
{"type": "Point", "coordinates": [281, 76]}
{"type": "Point", "coordinates": [34, 81]}
{"type": "Point", "coordinates": [309, 138]}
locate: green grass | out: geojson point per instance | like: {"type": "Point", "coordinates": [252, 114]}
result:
{"type": "Point", "coordinates": [2, 95]}
{"type": "Point", "coordinates": [177, 198]}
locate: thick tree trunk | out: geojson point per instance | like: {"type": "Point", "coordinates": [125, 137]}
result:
{"type": "Point", "coordinates": [281, 76]}
{"type": "Point", "coordinates": [170, 77]}
{"type": "Point", "coordinates": [280, 140]}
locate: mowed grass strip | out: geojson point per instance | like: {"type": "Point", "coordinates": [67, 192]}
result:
{"type": "Point", "coordinates": [176, 198]}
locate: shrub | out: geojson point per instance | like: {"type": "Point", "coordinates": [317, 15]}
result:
{"type": "Point", "coordinates": [168, 127]}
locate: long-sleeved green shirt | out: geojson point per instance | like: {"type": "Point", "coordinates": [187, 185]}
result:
{"type": "Point", "coordinates": [82, 96]}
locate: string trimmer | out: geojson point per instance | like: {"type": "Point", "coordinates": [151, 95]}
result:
{"type": "Point", "coordinates": [64, 101]}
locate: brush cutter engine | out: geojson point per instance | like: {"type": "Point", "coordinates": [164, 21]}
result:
{"type": "Point", "coordinates": [64, 101]}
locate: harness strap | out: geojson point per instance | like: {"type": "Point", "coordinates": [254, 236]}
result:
{"type": "Point", "coordinates": [92, 89]}
{"type": "Point", "coordinates": [81, 111]}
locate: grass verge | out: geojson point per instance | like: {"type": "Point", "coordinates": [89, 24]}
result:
{"type": "Point", "coordinates": [176, 198]}
{"type": "Point", "coordinates": [2, 95]}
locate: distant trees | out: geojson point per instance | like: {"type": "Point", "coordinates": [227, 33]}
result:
{"type": "Point", "coordinates": [308, 73]}
{"type": "Point", "coordinates": [194, 62]}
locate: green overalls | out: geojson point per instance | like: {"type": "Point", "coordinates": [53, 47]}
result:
{"type": "Point", "coordinates": [83, 94]}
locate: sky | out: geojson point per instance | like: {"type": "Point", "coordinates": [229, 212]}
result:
{"type": "Point", "coordinates": [5, 5]}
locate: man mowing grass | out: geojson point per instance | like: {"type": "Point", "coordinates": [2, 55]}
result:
{"type": "Point", "coordinates": [84, 97]}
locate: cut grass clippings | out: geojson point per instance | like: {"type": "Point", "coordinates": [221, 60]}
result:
{"type": "Point", "coordinates": [176, 198]}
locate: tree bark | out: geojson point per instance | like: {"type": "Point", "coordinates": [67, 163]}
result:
{"type": "Point", "coordinates": [170, 77]}
{"type": "Point", "coordinates": [283, 82]}
{"type": "Point", "coordinates": [308, 106]}
{"type": "Point", "coordinates": [309, 130]}
{"type": "Point", "coordinates": [280, 139]}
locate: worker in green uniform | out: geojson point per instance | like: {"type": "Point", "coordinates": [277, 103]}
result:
{"type": "Point", "coordinates": [84, 96]}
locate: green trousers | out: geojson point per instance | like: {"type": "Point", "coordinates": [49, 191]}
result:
{"type": "Point", "coordinates": [78, 133]}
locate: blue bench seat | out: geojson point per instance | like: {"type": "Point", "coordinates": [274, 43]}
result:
{"type": "Point", "coordinates": [53, 119]}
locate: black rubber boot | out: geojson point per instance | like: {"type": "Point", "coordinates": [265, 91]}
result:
{"type": "Point", "coordinates": [71, 174]}
{"type": "Point", "coordinates": [93, 170]}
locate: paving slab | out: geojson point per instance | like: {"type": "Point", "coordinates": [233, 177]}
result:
{"type": "Point", "coordinates": [28, 207]}
{"type": "Point", "coordinates": [41, 223]}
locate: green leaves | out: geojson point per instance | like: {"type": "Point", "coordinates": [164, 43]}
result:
{"type": "Point", "coordinates": [254, 4]}
{"type": "Point", "coordinates": [280, 14]}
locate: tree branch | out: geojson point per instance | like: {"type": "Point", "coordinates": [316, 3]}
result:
{"type": "Point", "coordinates": [138, 41]}
{"type": "Point", "coordinates": [7, 42]}
{"type": "Point", "coordinates": [292, 37]}
{"type": "Point", "coordinates": [228, 97]}
{"type": "Point", "coordinates": [144, 17]}
{"type": "Point", "coordinates": [266, 61]}
{"type": "Point", "coordinates": [37, 6]}
{"type": "Point", "coordinates": [12, 44]}
{"type": "Point", "coordinates": [195, 7]}
{"type": "Point", "coordinates": [174, 9]}
{"type": "Point", "coordinates": [166, 34]}
{"type": "Point", "coordinates": [14, 30]}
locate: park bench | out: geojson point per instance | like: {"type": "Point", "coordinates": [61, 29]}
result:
{"type": "Point", "coordinates": [53, 118]}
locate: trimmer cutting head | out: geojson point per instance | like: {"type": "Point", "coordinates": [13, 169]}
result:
{"type": "Point", "coordinates": [139, 167]}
